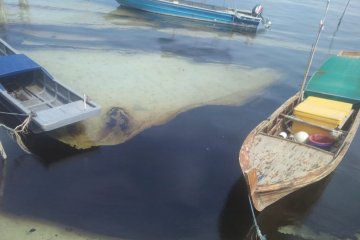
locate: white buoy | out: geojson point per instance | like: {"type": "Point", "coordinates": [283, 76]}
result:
{"type": "Point", "coordinates": [283, 135]}
{"type": "Point", "coordinates": [301, 136]}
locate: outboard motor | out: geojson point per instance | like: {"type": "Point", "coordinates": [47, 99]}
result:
{"type": "Point", "coordinates": [257, 10]}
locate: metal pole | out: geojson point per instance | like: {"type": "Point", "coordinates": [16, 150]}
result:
{"type": "Point", "coordinates": [342, 15]}
{"type": "Point", "coordinates": [312, 52]}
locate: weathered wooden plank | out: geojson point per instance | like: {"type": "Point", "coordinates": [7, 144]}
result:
{"type": "Point", "coordinates": [278, 160]}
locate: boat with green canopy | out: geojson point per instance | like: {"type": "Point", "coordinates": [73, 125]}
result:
{"type": "Point", "coordinates": [306, 138]}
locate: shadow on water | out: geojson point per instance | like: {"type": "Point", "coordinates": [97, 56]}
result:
{"type": "Point", "coordinates": [187, 47]}
{"type": "Point", "coordinates": [235, 218]}
{"type": "Point", "coordinates": [184, 36]}
{"type": "Point", "coordinates": [200, 49]}
{"type": "Point", "coordinates": [236, 221]}
{"type": "Point", "coordinates": [47, 149]}
{"type": "Point", "coordinates": [197, 50]}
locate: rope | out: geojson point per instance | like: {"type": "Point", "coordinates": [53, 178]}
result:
{"type": "Point", "coordinates": [258, 232]}
{"type": "Point", "coordinates": [338, 25]}
{"type": "Point", "coordinates": [2, 151]}
{"type": "Point", "coordinates": [20, 129]}
{"type": "Point", "coordinates": [15, 114]}
{"type": "Point", "coordinates": [342, 15]}
{"type": "Point", "coordinates": [2, 180]}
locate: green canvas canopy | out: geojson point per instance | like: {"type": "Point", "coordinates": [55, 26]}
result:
{"type": "Point", "coordinates": [338, 78]}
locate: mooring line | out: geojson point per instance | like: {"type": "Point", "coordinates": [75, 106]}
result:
{"type": "Point", "coordinates": [20, 129]}
{"type": "Point", "coordinates": [258, 231]}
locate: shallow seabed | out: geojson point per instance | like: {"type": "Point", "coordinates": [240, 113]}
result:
{"type": "Point", "coordinates": [180, 98]}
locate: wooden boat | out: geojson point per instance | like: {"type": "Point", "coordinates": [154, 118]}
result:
{"type": "Point", "coordinates": [27, 89]}
{"type": "Point", "coordinates": [274, 166]}
{"type": "Point", "coordinates": [226, 18]}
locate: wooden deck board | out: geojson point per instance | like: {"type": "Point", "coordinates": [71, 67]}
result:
{"type": "Point", "coordinates": [278, 160]}
{"type": "Point", "coordinates": [44, 99]}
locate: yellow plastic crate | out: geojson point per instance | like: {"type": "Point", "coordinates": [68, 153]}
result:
{"type": "Point", "coordinates": [320, 111]}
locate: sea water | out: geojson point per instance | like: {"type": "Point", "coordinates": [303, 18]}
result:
{"type": "Point", "coordinates": [184, 98]}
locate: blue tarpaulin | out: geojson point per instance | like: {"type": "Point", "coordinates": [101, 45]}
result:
{"type": "Point", "coordinates": [14, 64]}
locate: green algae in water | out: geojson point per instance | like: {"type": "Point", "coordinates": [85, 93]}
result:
{"type": "Point", "coordinates": [137, 91]}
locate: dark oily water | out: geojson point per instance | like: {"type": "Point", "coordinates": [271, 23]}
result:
{"type": "Point", "coordinates": [181, 179]}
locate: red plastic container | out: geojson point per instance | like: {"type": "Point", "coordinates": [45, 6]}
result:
{"type": "Point", "coordinates": [321, 141]}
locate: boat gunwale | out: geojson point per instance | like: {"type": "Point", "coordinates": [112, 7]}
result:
{"type": "Point", "coordinates": [5, 44]}
{"type": "Point", "coordinates": [350, 54]}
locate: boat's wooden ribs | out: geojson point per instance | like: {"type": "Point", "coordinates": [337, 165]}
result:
{"type": "Point", "coordinates": [39, 99]}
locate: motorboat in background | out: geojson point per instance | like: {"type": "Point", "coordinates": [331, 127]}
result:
{"type": "Point", "coordinates": [225, 18]}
